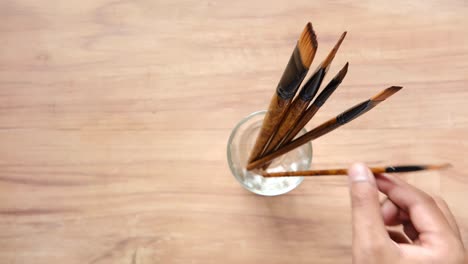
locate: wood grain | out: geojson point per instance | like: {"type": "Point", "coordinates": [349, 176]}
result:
{"type": "Point", "coordinates": [277, 109]}
{"type": "Point", "coordinates": [114, 118]}
{"type": "Point", "coordinates": [294, 112]}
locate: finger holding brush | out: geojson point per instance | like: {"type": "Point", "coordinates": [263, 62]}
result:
{"type": "Point", "coordinates": [295, 71]}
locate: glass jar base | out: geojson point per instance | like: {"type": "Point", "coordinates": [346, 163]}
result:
{"type": "Point", "coordinates": [240, 144]}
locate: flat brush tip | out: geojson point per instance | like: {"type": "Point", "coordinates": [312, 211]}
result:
{"type": "Point", "coordinates": [344, 70]}
{"type": "Point", "coordinates": [393, 89]}
{"type": "Point", "coordinates": [307, 45]}
{"type": "Point", "coordinates": [343, 35]}
{"type": "Point", "coordinates": [342, 73]}
{"type": "Point", "coordinates": [387, 93]}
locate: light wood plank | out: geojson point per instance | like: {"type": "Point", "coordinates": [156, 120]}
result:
{"type": "Point", "coordinates": [114, 118]}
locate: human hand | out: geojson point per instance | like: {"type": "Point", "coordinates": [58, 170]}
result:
{"type": "Point", "coordinates": [432, 235]}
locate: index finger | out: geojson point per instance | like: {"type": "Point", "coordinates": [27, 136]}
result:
{"type": "Point", "coordinates": [424, 213]}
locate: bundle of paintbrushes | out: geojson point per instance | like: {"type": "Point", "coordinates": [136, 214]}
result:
{"type": "Point", "coordinates": [288, 113]}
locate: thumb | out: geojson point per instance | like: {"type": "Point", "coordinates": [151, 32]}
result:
{"type": "Point", "coordinates": [368, 225]}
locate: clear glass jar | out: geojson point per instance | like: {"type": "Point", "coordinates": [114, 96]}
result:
{"type": "Point", "coordinates": [240, 144]}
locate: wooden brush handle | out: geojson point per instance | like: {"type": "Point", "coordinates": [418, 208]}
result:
{"type": "Point", "coordinates": [306, 173]}
{"type": "Point", "coordinates": [315, 106]}
{"type": "Point", "coordinates": [289, 83]}
{"type": "Point", "coordinates": [276, 111]}
{"type": "Point", "coordinates": [311, 135]}
{"type": "Point", "coordinates": [293, 114]}
{"type": "Point", "coordinates": [301, 123]}
{"type": "Point", "coordinates": [296, 70]}
{"type": "Point", "coordinates": [374, 170]}
{"type": "Point", "coordinates": [316, 173]}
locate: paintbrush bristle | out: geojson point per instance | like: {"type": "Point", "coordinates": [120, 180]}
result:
{"type": "Point", "coordinates": [307, 45]}
{"type": "Point", "coordinates": [326, 63]}
{"type": "Point", "coordinates": [439, 167]}
{"type": "Point", "coordinates": [386, 93]}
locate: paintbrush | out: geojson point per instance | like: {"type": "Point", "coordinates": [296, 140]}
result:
{"type": "Point", "coordinates": [297, 107]}
{"type": "Point", "coordinates": [327, 127]}
{"type": "Point", "coordinates": [316, 105]}
{"type": "Point", "coordinates": [290, 81]}
{"type": "Point", "coordinates": [300, 103]}
{"type": "Point", "coordinates": [331, 55]}
{"type": "Point", "coordinates": [296, 125]}
{"type": "Point", "coordinates": [375, 170]}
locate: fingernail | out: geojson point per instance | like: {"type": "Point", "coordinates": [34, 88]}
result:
{"type": "Point", "coordinates": [359, 172]}
{"type": "Point", "coordinates": [388, 208]}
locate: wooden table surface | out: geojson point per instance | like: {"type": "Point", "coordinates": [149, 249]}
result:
{"type": "Point", "coordinates": [114, 118]}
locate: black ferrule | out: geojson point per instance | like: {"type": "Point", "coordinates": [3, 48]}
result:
{"type": "Point", "coordinates": [404, 168]}
{"type": "Point", "coordinates": [354, 112]}
{"type": "Point", "coordinates": [310, 89]}
{"type": "Point", "coordinates": [327, 91]}
{"type": "Point", "coordinates": [292, 76]}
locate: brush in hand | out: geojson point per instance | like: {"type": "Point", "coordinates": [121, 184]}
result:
{"type": "Point", "coordinates": [375, 170]}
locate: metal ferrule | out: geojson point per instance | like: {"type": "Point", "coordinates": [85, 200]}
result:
{"type": "Point", "coordinates": [309, 90]}
{"type": "Point", "coordinates": [327, 91]}
{"type": "Point", "coordinates": [292, 76]}
{"type": "Point", "coordinates": [404, 168]}
{"type": "Point", "coordinates": [354, 112]}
